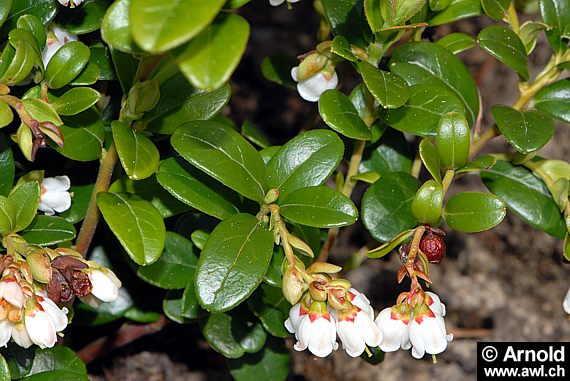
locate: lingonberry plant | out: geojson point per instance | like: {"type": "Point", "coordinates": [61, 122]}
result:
{"type": "Point", "coordinates": [230, 232]}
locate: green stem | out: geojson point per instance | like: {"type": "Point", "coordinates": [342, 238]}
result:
{"type": "Point", "coordinates": [92, 217]}
{"type": "Point", "coordinates": [447, 179]}
{"type": "Point", "coordinates": [513, 18]}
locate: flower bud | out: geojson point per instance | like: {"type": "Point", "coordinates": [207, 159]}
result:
{"type": "Point", "coordinates": [271, 196]}
{"type": "Point", "coordinates": [318, 291]}
{"type": "Point", "coordinates": [40, 266]}
{"type": "Point", "coordinates": [23, 138]}
{"type": "Point", "coordinates": [293, 285]}
{"type": "Point", "coordinates": [142, 97]}
{"type": "Point", "coordinates": [313, 64]}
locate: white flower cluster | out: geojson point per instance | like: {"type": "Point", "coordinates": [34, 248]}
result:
{"type": "Point", "coordinates": [317, 326]}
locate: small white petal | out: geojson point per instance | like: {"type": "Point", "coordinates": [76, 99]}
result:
{"type": "Point", "coordinates": [5, 332]}
{"type": "Point", "coordinates": [40, 328]}
{"type": "Point", "coordinates": [276, 2]}
{"type": "Point", "coordinates": [12, 293]}
{"type": "Point", "coordinates": [395, 332]}
{"type": "Point", "coordinates": [566, 303]}
{"type": "Point", "coordinates": [64, 2]}
{"type": "Point", "coordinates": [292, 323]}
{"type": "Point", "coordinates": [55, 201]}
{"type": "Point", "coordinates": [104, 285]}
{"type": "Point", "coordinates": [57, 184]}
{"type": "Point", "coordinates": [294, 73]}
{"type": "Point", "coordinates": [351, 338]}
{"type": "Point", "coordinates": [312, 88]}
{"type": "Point", "coordinates": [322, 337]}
{"type": "Point", "coordinates": [20, 336]}
{"type": "Point", "coordinates": [57, 315]}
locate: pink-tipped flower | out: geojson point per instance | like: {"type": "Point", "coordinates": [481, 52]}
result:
{"type": "Point", "coordinates": [310, 89]}
{"type": "Point", "coordinates": [56, 38]}
{"type": "Point", "coordinates": [55, 196]}
{"type": "Point", "coordinates": [296, 313]}
{"type": "Point", "coordinates": [356, 329]}
{"type": "Point", "coordinates": [317, 331]}
{"type": "Point", "coordinates": [70, 3]}
{"type": "Point", "coordinates": [279, 2]}
{"type": "Point", "coordinates": [566, 303]}
{"type": "Point", "coordinates": [427, 332]}
{"type": "Point", "coordinates": [394, 324]}
{"type": "Point", "coordinates": [434, 303]}
{"type": "Point", "coordinates": [43, 319]}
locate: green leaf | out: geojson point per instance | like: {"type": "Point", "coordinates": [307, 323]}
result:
{"type": "Point", "coordinates": [277, 68]}
{"type": "Point", "coordinates": [320, 207]}
{"type": "Point", "coordinates": [426, 206]}
{"type": "Point", "coordinates": [84, 19]}
{"type": "Point", "coordinates": [438, 5]}
{"type": "Point", "coordinates": [482, 162]}
{"type": "Point", "coordinates": [555, 13]}
{"type": "Point", "coordinates": [527, 131]}
{"type": "Point", "coordinates": [495, 9]}
{"type": "Point", "coordinates": [387, 247]}
{"type": "Point", "coordinates": [210, 58]}
{"type": "Point", "coordinates": [24, 201]}
{"type": "Point", "coordinates": [190, 306]}
{"type": "Point", "coordinates": [554, 100]}
{"type": "Point", "coordinates": [271, 307]}
{"type": "Point", "coordinates": [138, 154]}
{"type": "Point", "coordinates": [7, 167]}
{"type": "Point", "coordinates": [428, 63]}
{"type": "Point", "coordinates": [115, 28]}
{"type": "Point", "coordinates": [529, 32]}
{"type": "Point", "coordinates": [4, 12]}
{"type": "Point", "coordinates": [346, 18]}
{"type": "Point", "coordinates": [457, 10]}
{"type": "Point", "coordinates": [271, 363]}
{"type": "Point", "coordinates": [75, 100]}
{"type": "Point", "coordinates": [45, 10]}
{"type": "Point", "coordinates": [526, 195]}
{"type": "Point", "coordinates": [219, 330]}
{"type": "Point", "coordinates": [158, 26]}
{"type": "Point", "coordinates": [506, 46]}
{"type": "Point", "coordinates": [341, 47]}
{"type": "Point", "coordinates": [400, 11]}
{"type": "Point", "coordinates": [453, 140]}
{"type": "Point", "coordinates": [173, 306]}
{"type": "Point", "coordinates": [472, 212]}
{"type": "Point", "coordinates": [21, 65]}
{"type": "Point", "coordinates": [136, 223]}
{"type": "Point", "coordinates": [233, 262]}
{"type": "Point", "coordinates": [456, 42]}
{"type": "Point", "coordinates": [566, 250]}
{"type": "Point", "coordinates": [83, 136]}
{"type": "Point", "coordinates": [59, 363]}
{"type": "Point", "coordinates": [41, 111]}
{"type": "Point", "coordinates": [6, 216]}
{"type": "Point", "coordinates": [390, 154]}
{"type": "Point", "coordinates": [66, 64]}
{"type": "Point", "coordinates": [176, 266]}
{"type": "Point", "coordinates": [179, 102]}
{"type": "Point", "coordinates": [32, 24]}
{"type": "Point", "coordinates": [252, 133]}
{"type": "Point", "coordinates": [48, 231]}
{"type": "Point", "coordinates": [101, 57]}
{"type": "Point", "coordinates": [224, 154]}
{"type": "Point", "coordinates": [430, 158]}
{"type": "Point", "coordinates": [6, 115]}
{"type": "Point", "coordinates": [387, 205]}
{"type": "Point", "coordinates": [79, 203]}
{"type": "Point", "coordinates": [88, 76]}
{"type": "Point", "coordinates": [388, 88]}
{"type": "Point", "coordinates": [4, 369]}
{"type": "Point", "coordinates": [188, 186]}
{"type": "Point", "coordinates": [306, 160]}
{"type": "Point", "coordinates": [424, 109]}
{"type": "Point", "coordinates": [125, 66]}
{"type": "Point", "coordinates": [339, 113]}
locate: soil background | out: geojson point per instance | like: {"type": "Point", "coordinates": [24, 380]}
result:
{"type": "Point", "coordinates": [506, 284]}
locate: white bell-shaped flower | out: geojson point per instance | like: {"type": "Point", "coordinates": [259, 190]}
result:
{"type": "Point", "coordinates": [43, 319]}
{"type": "Point", "coordinates": [427, 332]}
{"type": "Point", "coordinates": [434, 303]}
{"type": "Point", "coordinates": [394, 325]}
{"type": "Point", "coordinates": [11, 291]}
{"type": "Point", "coordinates": [57, 315]}
{"type": "Point", "coordinates": [279, 2]}
{"type": "Point", "coordinates": [105, 284]}
{"type": "Point", "coordinates": [56, 38]}
{"type": "Point", "coordinates": [311, 88]}
{"type": "Point", "coordinates": [317, 331]}
{"type": "Point", "coordinates": [566, 303]}
{"type": "Point", "coordinates": [70, 3]}
{"type": "Point", "coordinates": [55, 196]}
{"type": "Point", "coordinates": [296, 313]}
{"type": "Point", "coordinates": [20, 335]}
{"type": "Point", "coordinates": [356, 329]}
{"type": "Point", "coordinates": [5, 332]}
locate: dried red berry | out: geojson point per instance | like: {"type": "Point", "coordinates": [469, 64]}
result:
{"type": "Point", "coordinates": [433, 246]}
{"type": "Point", "coordinates": [80, 283]}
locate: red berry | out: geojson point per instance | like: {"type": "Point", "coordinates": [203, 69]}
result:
{"type": "Point", "coordinates": [433, 246]}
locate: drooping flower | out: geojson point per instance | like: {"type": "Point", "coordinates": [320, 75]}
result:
{"type": "Point", "coordinates": [296, 313]}
{"type": "Point", "coordinates": [427, 332]}
{"type": "Point", "coordinates": [356, 329]}
{"type": "Point", "coordinates": [279, 2]}
{"type": "Point", "coordinates": [105, 283]}
{"type": "Point", "coordinates": [11, 291]}
{"type": "Point", "coordinates": [55, 196]}
{"type": "Point", "coordinates": [20, 335]}
{"type": "Point", "coordinates": [566, 303]}
{"type": "Point", "coordinates": [434, 303]}
{"type": "Point", "coordinates": [316, 331]}
{"type": "Point", "coordinates": [56, 38]}
{"type": "Point", "coordinates": [5, 332]}
{"type": "Point", "coordinates": [42, 320]}
{"type": "Point", "coordinates": [70, 3]}
{"type": "Point", "coordinates": [394, 324]}
{"type": "Point", "coordinates": [311, 88]}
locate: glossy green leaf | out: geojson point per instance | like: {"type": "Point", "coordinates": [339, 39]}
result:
{"type": "Point", "coordinates": [115, 27]}
{"type": "Point", "coordinates": [472, 212]}
{"type": "Point", "coordinates": [88, 76]}
{"type": "Point", "coordinates": [271, 363]}
{"type": "Point", "coordinates": [428, 63]}
{"type": "Point", "coordinates": [555, 13]}
{"type": "Point", "coordinates": [190, 306]}
{"type": "Point", "coordinates": [527, 131]}
{"type": "Point", "coordinates": [388, 88]}
{"type": "Point", "coordinates": [233, 262]}
{"type": "Point", "coordinates": [4, 369]}
{"type": "Point", "coordinates": [66, 64]}
{"type": "Point", "coordinates": [84, 19]}
{"type": "Point", "coordinates": [173, 306]}
{"type": "Point", "coordinates": [138, 154]}
{"type": "Point", "coordinates": [252, 133]}
{"type": "Point", "coordinates": [506, 46]}
{"type": "Point", "coordinates": [397, 12]}
{"type": "Point", "coordinates": [48, 230]}
{"type": "Point", "coordinates": [176, 266]}
{"type": "Point", "coordinates": [554, 100]}
{"type": "Point", "coordinates": [79, 203]}
{"type": "Point", "coordinates": [346, 18]}
{"type": "Point", "coordinates": [341, 47]}
{"type": "Point", "coordinates": [75, 100]}
{"type": "Point", "coordinates": [179, 103]}
{"type": "Point", "coordinates": [271, 307]}
{"type": "Point", "coordinates": [136, 223]}
{"type": "Point", "coordinates": [482, 162]}
{"type": "Point", "coordinates": [495, 9]}
{"type": "Point", "coordinates": [158, 26]}
{"type": "Point", "coordinates": [193, 189]}
{"type": "Point", "coordinates": [211, 57]}
{"type": "Point", "coordinates": [390, 154]}
{"type": "Point", "coordinates": [33, 24]}
{"type": "Point", "coordinates": [232, 4]}
{"type": "Point", "coordinates": [83, 136]}
{"type": "Point", "coordinates": [101, 56]}
{"type": "Point", "coordinates": [387, 205]}
{"type": "Point", "coordinates": [529, 33]}
{"type": "Point", "coordinates": [430, 158]}
{"type": "Point", "coordinates": [125, 67]}
{"type": "Point", "coordinates": [526, 195]}
{"type": "Point", "coordinates": [7, 167]}
{"type": "Point", "coordinates": [44, 10]}
{"type": "Point", "coordinates": [456, 42]}
{"type": "Point", "coordinates": [277, 68]}
{"type": "Point", "coordinates": [457, 10]}
{"type": "Point", "coordinates": [306, 160]}
{"type": "Point", "coordinates": [424, 109]}
{"type": "Point", "coordinates": [438, 5]}
{"type": "Point", "coordinates": [453, 140]}
{"type": "Point", "coordinates": [41, 111]}
{"type": "Point", "coordinates": [4, 12]}
{"type": "Point", "coordinates": [6, 115]}
{"type": "Point", "coordinates": [426, 206]}
{"type": "Point", "coordinates": [224, 154]}
{"type": "Point", "coordinates": [368, 177]}
{"type": "Point", "coordinates": [387, 247]}
{"type": "Point", "coordinates": [340, 114]}
{"type": "Point", "coordinates": [6, 216]}
{"type": "Point", "coordinates": [21, 65]}
{"type": "Point", "coordinates": [57, 363]}
{"type": "Point", "coordinates": [24, 200]}
{"type": "Point", "coordinates": [320, 207]}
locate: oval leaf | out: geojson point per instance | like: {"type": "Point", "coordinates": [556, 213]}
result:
{"type": "Point", "coordinates": [24, 201]}
{"type": "Point", "coordinates": [506, 46]}
{"type": "Point", "coordinates": [339, 113]}
{"type": "Point", "coordinates": [48, 230]}
{"type": "Point", "coordinates": [66, 64]}
{"type": "Point", "coordinates": [389, 89]}
{"type": "Point", "coordinates": [472, 212]}
{"type": "Point", "coordinates": [74, 101]}
{"type": "Point", "coordinates": [426, 206]}
{"type": "Point", "coordinates": [453, 140]}
{"type": "Point", "coordinates": [430, 158]}
{"type": "Point", "coordinates": [115, 27]}
{"type": "Point", "coordinates": [138, 154]}
{"type": "Point", "coordinates": [456, 42]}
{"type": "Point", "coordinates": [554, 100]}
{"type": "Point", "coordinates": [495, 9]}
{"type": "Point", "coordinates": [83, 135]}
